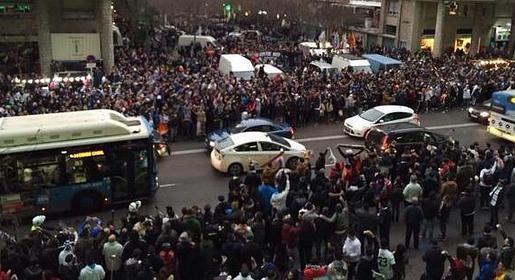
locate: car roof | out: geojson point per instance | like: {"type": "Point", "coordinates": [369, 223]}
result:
{"type": "Point", "coordinates": [250, 122]}
{"type": "Point", "coordinates": [399, 127]}
{"type": "Point", "coordinates": [394, 108]}
{"type": "Point", "coordinates": [246, 137]}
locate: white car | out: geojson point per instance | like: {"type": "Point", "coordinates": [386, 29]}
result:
{"type": "Point", "coordinates": [234, 154]}
{"type": "Point", "coordinates": [359, 125]}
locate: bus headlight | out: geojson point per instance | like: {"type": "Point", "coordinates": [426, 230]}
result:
{"type": "Point", "coordinates": [484, 114]}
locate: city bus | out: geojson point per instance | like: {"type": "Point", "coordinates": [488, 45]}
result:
{"type": "Point", "coordinates": [79, 161]}
{"type": "Point", "coordinates": [502, 115]}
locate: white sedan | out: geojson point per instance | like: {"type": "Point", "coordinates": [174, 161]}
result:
{"type": "Point", "coordinates": [234, 154]}
{"type": "Point", "coordinates": [358, 125]}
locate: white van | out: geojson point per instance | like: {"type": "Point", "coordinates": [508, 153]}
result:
{"type": "Point", "coordinates": [314, 48]}
{"type": "Point", "coordinates": [270, 70]}
{"type": "Point", "coordinates": [188, 40]}
{"type": "Point", "coordinates": [357, 64]}
{"type": "Point", "coordinates": [323, 67]}
{"type": "Point", "coordinates": [236, 64]}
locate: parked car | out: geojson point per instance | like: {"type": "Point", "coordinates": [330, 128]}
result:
{"type": "Point", "coordinates": [251, 124]}
{"type": "Point", "coordinates": [358, 125]}
{"type": "Point", "coordinates": [480, 112]}
{"type": "Point", "coordinates": [401, 136]}
{"type": "Point", "coordinates": [234, 154]}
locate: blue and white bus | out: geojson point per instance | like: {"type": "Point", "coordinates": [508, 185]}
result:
{"type": "Point", "coordinates": [80, 161]}
{"type": "Point", "coordinates": [502, 115]}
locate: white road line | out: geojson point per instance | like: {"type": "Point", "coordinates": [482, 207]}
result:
{"type": "Point", "coordinates": [188, 152]}
{"type": "Point", "coordinates": [321, 138]}
{"type": "Point", "coordinates": [333, 137]}
{"type": "Point", "coordinates": [166, 185]}
{"type": "Point", "coordinates": [461, 125]}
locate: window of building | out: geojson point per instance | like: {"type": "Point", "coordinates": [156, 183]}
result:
{"type": "Point", "coordinates": [394, 8]}
{"type": "Point", "coordinates": [391, 29]}
{"type": "Point", "coordinates": [403, 44]}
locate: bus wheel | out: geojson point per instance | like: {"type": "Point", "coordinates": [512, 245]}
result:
{"type": "Point", "coordinates": [87, 203]}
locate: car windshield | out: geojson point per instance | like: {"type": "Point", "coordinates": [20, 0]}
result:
{"type": "Point", "coordinates": [371, 115]}
{"type": "Point", "coordinates": [279, 139]}
{"type": "Point", "coordinates": [238, 128]}
{"type": "Point", "coordinates": [224, 143]}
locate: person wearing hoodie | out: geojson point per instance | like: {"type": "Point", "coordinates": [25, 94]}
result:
{"type": "Point", "coordinates": [92, 271]}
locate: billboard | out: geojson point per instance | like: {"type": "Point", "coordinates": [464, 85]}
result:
{"type": "Point", "coordinates": [75, 46]}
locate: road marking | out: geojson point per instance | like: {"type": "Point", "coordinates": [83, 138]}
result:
{"type": "Point", "coordinates": [461, 125]}
{"type": "Point", "coordinates": [322, 138]}
{"type": "Point", "coordinates": [188, 152]}
{"type": "Point", "coordinates": [334, 137]}
{"type": "Point", "coordinates": [167, 185]}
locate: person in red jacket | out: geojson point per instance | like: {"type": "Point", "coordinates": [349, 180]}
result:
{"type": "Point", "coordinates": [314, 270]}
{"type": "Point", "coordinates": [290, 238]}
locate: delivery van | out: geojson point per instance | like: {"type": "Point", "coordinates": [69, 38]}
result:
{"type": "Point", "coordinates": [204, 41]}
{"type": "Point", "coordinates": [236, 64]}
{"type": "Point", "coordinates": [357, 64]}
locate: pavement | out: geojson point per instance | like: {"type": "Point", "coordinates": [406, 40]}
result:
{"type": "Point", "coordinates": [187, 178]}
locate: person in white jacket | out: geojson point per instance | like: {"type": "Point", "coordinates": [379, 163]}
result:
{"type": "Point", "coordinates": [278, 199]}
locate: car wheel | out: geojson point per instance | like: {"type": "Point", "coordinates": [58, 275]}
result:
{"type": "Point", "coordinates": [292, 162]}
{"type": "Point", "coordinates": [235, 169]}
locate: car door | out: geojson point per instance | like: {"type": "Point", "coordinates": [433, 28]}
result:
{"type": "Point", "coordinates": [244, 154]}
{"type": "Point", "coordinates": [408, 140]}
{"type": "Point", "coordinates": [270, 150]}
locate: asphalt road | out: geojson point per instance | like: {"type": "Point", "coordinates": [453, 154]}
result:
{"type": "Point", "coordinates": [187, 178]}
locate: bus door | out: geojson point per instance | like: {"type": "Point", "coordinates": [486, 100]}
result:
{"type": "Point", "coordinates": [129, 172]}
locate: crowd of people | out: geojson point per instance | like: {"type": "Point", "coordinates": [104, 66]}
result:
{"type": "Point", "coordinates": [185, 90]}
{"type": "Point", "coordinates": [301, 223]}
{"type": "Point", "coordinates": [278, 223]}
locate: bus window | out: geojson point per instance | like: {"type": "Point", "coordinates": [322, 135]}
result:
{"type": "Point", "coordinates": [85, 168]}
{"type": "Point", "coordinates": [36, 171]}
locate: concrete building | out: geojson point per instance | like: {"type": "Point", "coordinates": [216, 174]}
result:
{"type": "Point", "coordinates": [67, 31]}
{"type": "Point", "coordinates": [471, 26]}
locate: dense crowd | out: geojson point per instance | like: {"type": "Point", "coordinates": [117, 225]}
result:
{"type": "Point", "coordinates": [188, 94]}
{"type": "Point", "coordinates": [278, 223]}
{"type": "Point", "coordinates": [301, 223]}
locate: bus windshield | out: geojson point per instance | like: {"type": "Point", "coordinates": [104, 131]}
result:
{"type": "Point", "coordinates": [502, 115]}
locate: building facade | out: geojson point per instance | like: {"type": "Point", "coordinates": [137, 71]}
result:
{"type": "Point", "coordinates": [440, 26]}
{"type": "Point", "coordinates": [70, 30]}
